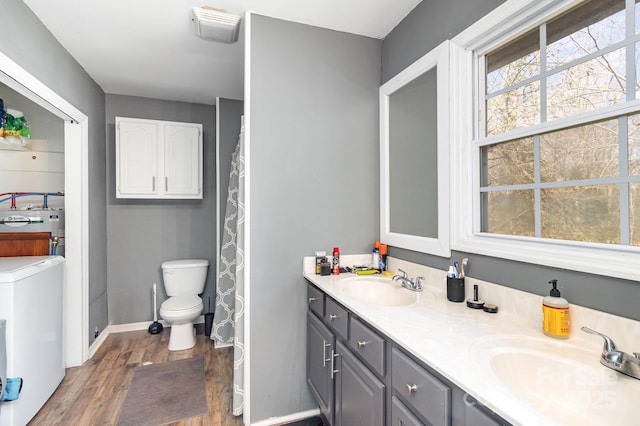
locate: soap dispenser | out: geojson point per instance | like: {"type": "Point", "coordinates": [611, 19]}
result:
{"type": "Point", "coordinates": [555, 311]}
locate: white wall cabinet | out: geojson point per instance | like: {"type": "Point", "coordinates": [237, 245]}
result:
{"type": "Point", "coordinates": [158, 159]}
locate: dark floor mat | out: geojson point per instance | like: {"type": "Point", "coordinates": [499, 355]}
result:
{"type": "Point", "coordinates": [164, 393]}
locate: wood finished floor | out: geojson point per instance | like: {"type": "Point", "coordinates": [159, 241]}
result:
{"type": "Point", "coordinates": [93, 393]}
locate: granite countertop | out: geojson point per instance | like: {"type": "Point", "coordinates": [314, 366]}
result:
{"type": "Point", "coordinates": [469, 346]}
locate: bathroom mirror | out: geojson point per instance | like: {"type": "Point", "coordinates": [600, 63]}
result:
{"type": "Point", "coordinates": [414, 156]}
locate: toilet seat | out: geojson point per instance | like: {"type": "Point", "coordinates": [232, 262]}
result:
{"type": "Point", "coordinates": [180, 312]}
{"type": "Point", "coordinates": [181, 303]}
{"type": "Point", "coordinates": [184, 263]}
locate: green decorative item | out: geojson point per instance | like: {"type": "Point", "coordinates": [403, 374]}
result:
{"type": "Point", "coordinates": [16, 128]}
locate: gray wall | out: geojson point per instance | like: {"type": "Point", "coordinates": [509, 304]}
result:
{"type": "Point", "coordinates": [145, 233]}
{"type": "Point", "coordinates": [314, 185]}
{"type": "Point", "coordinates": [428, 25]}
{"type": "Point", "coordinates": [26, 41]}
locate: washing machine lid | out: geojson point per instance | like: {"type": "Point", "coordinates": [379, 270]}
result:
{"type": "Point", "coordinates": [13, 269]}
{"type": "Point", "coordinates": [179, 303]}
{"type": "Point", "coordinates": [185, 263]}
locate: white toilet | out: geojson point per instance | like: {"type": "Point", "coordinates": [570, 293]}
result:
{"type": "Point", "coordinates": [184, 280]}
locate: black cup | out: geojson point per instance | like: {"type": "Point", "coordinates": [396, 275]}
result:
{"type": "Point", "coordinates": [208, 323]}
{"type": "Point", "coordinates": [455, 289]}
{"type": "Point", "coordinates": [325, 269]}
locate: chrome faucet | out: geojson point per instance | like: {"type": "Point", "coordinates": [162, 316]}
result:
{"type": "Point", "coordinates": [616, 359]}
{"type": "Point", "coordinates": [408, 282]}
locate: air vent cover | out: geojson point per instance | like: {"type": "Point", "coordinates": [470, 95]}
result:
{"type": "Point", "coordinates": [216, 24]}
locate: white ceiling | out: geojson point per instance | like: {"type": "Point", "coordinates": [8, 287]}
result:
{"type": "Point", "coordinates": [148, 48]}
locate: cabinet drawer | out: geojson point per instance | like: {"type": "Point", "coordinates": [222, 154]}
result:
{"type": "Point", "coordinates": [424, 392]}
{"type": "Point", "coordinates": [315, 300]}
{"type": "Point", "coordinates": [401, 416]}
{"type": "Point", "coordinates": [336, 317]}
{"type": "Point", "coordinates": [477, 414]}
{"type": "Point", "coordinates": [476, 417]}
{"type": "Point", "coordinates": [367, 344]}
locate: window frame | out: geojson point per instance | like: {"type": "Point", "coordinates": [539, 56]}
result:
{"type": "Point", "coordinates": [507, 21]}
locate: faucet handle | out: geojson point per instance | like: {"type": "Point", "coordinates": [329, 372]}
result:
{"type": "Point", "coordinates": [404, 274]}
{"type": "Point", "coordinates": [419, 282]}
{"type": "Point", "coordinates": [609, 346]}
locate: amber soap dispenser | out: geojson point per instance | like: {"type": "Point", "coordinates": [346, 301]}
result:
{"type": "Point", "coordinates": [555, 312]}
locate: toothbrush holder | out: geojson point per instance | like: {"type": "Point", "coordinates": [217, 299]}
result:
{"type": "Point", "coordinates": [455, 289]}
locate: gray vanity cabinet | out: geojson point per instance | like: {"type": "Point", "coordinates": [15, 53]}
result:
{"type": "Point", "coordinates": [359, 394]}
{"type": "Point", "coordinates": [360, 377]}
{"type": "Point", "coordinates": [345, 388]}
{"type": "Point", "coordinates": [320, 360]}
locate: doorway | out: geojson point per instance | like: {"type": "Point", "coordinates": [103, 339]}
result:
{"type": "Point", "coordinates": [76, 283]}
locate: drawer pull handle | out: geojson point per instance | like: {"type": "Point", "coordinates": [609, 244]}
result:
{"type": "Point", "coordinates": [333, 370]}
{"type": "Point", "coordinates": [325, 345]}
{"type": "Point", "coordinates": [312, 299]}
{"type": "Point", "coordinates": [362, 344]}
{"type": "Point", "coordinates": [411, 389]}
{"type": "Point", "coordinates": [332, 317]}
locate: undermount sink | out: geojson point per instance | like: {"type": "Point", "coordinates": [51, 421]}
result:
{"type": "Point", "coordinates": [377, 291]}
{"type": "Point", "coordinates": [557, 377]}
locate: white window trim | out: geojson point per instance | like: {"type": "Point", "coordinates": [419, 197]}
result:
{"type": "Point", "coordinates": [601, 259]}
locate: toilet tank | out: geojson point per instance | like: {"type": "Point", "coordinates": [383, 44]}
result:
{"type": "Point", "coordinates": [184, 277]}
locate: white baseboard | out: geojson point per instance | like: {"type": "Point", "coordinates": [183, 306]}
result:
{"type": "Point", "coordinates": [288, 418]}
{"type": "Point", "coordinates": [122, 328]}
{"type": "Point", "coordinates": [93, 348]}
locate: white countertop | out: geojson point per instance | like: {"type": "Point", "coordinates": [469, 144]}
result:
{"type": "Point", "coordinates": [459, 343]}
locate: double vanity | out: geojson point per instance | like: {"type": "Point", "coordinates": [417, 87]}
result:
{"type": "Point", "coordinates": [378, 353]}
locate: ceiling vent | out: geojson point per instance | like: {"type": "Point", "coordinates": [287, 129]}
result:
{"type": "Point", "coordinates": [216, 24]}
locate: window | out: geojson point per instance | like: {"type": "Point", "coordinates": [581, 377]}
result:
{"type": "Point", "coordinates": [554, 155]}
{"type": "Point", "coordinates": [569, 183]}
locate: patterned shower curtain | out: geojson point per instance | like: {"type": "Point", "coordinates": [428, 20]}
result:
{"type": "Point", "coordinates": [228, 324]}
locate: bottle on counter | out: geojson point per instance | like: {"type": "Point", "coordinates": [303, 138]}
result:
{"type": "Point", "coordinates": [321, 257]}
{"type": "Point", "coordinates": [375, 255]}
{"type": "Point", "coordinates": [383, 257]}
{"type": "Point", "coordinates": [555, 312]}
{"type": "Point", "coordinates": [335, 263]}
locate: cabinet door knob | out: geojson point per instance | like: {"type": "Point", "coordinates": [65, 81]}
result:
{"type": "Point", "coordinates": [312, 299]}
{"type": "Point", "coordinates": [332, 317]}
{"type": "Point", "coordinates": [411, 389]}
{"type": "Point", "coordinates": [362, 344]}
